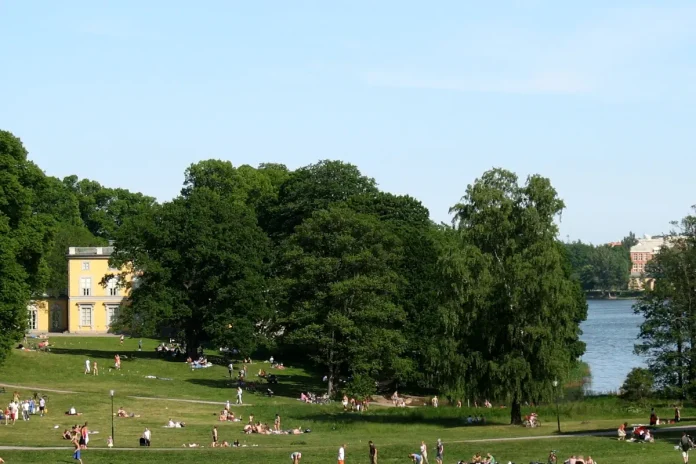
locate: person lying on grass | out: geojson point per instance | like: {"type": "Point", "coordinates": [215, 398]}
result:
{"type": "Point", "coordinates": [175, 425]}
{"type": "Point", "coordinates": [122, 413]}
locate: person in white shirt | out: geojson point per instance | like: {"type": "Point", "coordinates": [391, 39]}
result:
{"type": "Point", "coordinates": [25, 410]}
{"type": "Point", "coordinates": [42, 406]}
{"type": "Point", "coordinates": [145, 439]}
{"type": "Point", "coordinates": [14, 411]}
{"type": "Point", "coordinates": [342, 454]}
{"type": "Point", "coordinates": [230, 368]}
{"type": "Point", "coordinates": [87, 369]}
{"type": "Point", "coordinates": [239, 395]}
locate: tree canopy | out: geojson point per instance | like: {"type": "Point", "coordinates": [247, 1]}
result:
{"type": "Point", "coordinates": [512, 315]}
{"type": "Point", "coordinates": [26, 232]}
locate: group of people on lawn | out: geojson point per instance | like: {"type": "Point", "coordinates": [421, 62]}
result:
{"type": "Point", "coordinates": [26, 407]}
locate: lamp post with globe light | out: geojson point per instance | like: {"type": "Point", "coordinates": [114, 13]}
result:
{"type": "Point", "coordinates": [558, 416]}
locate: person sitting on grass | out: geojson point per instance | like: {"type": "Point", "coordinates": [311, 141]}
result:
{"type": "Point", "coordinates": [622, 431]}
{"type": "Point", "coordinates": [490, 459]}
{"type": "Point", "coordinates": [477, 458]}
{"type": "Point", "coordinates": [72, 412]}
{"type": "Point", "coordinates": [295, 457]}
{"type": "Point", "coordinates": [67, 435]}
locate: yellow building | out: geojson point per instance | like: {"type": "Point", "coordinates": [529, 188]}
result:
{"type": "Point", "coordinates": [90, 306]}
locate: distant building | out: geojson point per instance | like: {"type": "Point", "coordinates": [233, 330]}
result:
{"type": "Point", "coordinates": [641, 253]}
{"type": "Point", "coordinates": [89, 307]}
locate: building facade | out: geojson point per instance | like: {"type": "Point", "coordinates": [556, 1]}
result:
{"type": "Point", "coordinates": [641, 253]}
{"type": "Point", "coordinates": [92, 303]}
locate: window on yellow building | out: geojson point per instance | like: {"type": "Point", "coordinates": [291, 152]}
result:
{"type": "Point", "coordinates": [85, 265]}
{"type": "Point", "coordinates": [86, 286]}
{"type": "Point", "coordinates": [85, 316]}
{"type": "Point", "coordinates": [112, 287]}
{"type": "Point", "coordinates": [111, 314]}
{"type": "Point", "coordinates": [33, 318]}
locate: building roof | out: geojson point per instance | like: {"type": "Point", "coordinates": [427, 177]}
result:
{"type": "Point", "coordinates": [650, 244]}
{"type": "Point", "coordinates": [90, 252]}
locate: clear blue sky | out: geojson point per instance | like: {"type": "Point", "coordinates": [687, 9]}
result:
{"type": "Point", "coordinates": [422, 96]}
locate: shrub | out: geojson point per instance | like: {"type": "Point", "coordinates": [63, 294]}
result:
{"type": "Point", "coordinates": [638, 385]}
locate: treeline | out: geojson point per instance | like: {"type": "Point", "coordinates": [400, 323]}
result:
{"type": "Point", "coordinates": [602, 268]}
{"type": "Point", "coordinates": [319, 261]}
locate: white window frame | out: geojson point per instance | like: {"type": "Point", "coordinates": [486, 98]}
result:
{"type": "Point", "coordinates": [111, 313]}
{"type": "Point", "coordinates": [33, 317]}
{"type": "Point", "coordinates": [85, 265]}
{"type": "Point", "coordinates": [85, 286]}
{"type": "Point", "coordinates": [83, 309]}
{"type": "Point", "coordinates": [112, 287]}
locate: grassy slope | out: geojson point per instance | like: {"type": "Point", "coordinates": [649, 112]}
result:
{"type": "Point", "coordinates": [397, 431]}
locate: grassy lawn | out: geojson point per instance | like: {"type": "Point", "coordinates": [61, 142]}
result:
{"type": "Point", "coordinates": [397, 432]}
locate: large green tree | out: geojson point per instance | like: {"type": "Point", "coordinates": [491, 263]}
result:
{"type": "Point", "coordinates": [511, 319]}
{"type": "Point", "coordinates": [668, 333]}
{"type": "Point", "coordinates": [340, 281]}
{"type": "Point", "coordinates": [199, 261]}
{"type": "Point", "coordinates": [25, 236]}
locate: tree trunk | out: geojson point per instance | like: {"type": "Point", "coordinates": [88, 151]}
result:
{"type": "Point", "coordinates": [192, 344]}
{"type": "Point", "coordinates": [516, 412]}
{"type": "Point", "coordinates": [332, 374]}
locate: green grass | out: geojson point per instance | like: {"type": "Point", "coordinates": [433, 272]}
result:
{"type": "Point", "coordinates": [396, 431]}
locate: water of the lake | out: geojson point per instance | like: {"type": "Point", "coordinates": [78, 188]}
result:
{"type": "Point", "coordinates": [610, 332]}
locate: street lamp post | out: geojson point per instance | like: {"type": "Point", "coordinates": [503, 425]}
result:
{"type": "Point", "coordinates": [558, 416]}
{"type": "Point", "coordinates": [111, 392]}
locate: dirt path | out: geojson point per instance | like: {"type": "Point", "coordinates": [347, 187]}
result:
{"type": "Point", "coordinates": [24, 387]}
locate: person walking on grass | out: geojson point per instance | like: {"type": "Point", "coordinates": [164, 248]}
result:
{"type": "Point", "coordinates": [42, 404]}
{"type": "Point", "coordinates": [239, 395]}
{"type": "Point", "coordinates": [373, 453]}
{"type": "Point", "coordinates": [76, 443]}
{"type": "Point", "coordinates": [424, 452]}
{"type": "Point", "coordinates": [230, 368]}
{"type": "Point", "coordinates": [121, 340]}
{"type": "Point", "coordinates": [440, 451]}
{"type": "Point", "coordinates": [215, 437]}
{"type": "Point", "coordinates": [686, 444]}
{"type": "Point", "coordinates": [95, 368]}
{"type": "Point", "coordinates": [140, 345]}
{"type": "Point", "coordinates": [276, 423]}
{"type": "Point", "coordinates": [87, 369]}
{"type": "Point", "coordinates": [342, 454]}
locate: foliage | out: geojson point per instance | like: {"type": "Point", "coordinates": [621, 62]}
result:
{"type": "Point", "coordinates": [604, 268]}
{"type": "Point", "coordinates": [360, 386]}
{"type": "Point", "coordinates": [313, 188]}
{"type": "Point", "coordinates": [103, 210]}
{"type": "Point", "coordinates": [200, 270]}
{"type": "Point", "coordinates": [668, 333]}
{"type": "Point", "coordinates": [510, 320]}
{"type": "Point", "coordinates": [638, 384]}
{"type": "Point", "coordinates": [340, 280]}
{"type": "Point", "coordinates": [26, 232]}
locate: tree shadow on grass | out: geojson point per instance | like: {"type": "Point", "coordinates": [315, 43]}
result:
{"type": "Point", "coordinates": [350, 418]}
{"type": "Point", "coordinates": [285, 387]}
{"type": "Point", "coordinates": [126, 356]}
